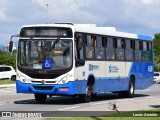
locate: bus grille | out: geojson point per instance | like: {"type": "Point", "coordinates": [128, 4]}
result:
{"type": "Point", "coordinates": [45, 81]}
{"type": "Point", "coordinates": [43, 87]}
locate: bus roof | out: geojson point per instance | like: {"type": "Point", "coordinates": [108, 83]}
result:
{"type": "Point", "coordinates": [110, 31]}
{"type": "Point", "coordinates": [48, 25]}
{"type": "Point", "coordinates": [93, 29]}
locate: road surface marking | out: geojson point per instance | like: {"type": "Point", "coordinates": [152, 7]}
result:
{"type": "Point", "coordinates": [69, 108]}
{"type": "Point", "coordinates": [10, 88]}
{"type": "Point", "coordinates": [142, 91]}
{"type": "Point", "coordinates": [99, 103]}
{"type": "Point", "coordinates": [5, 91]}
{"type": "Point", "coordinates": [124, 100]}
{"type": "Point", "coordinates": [150, 97]}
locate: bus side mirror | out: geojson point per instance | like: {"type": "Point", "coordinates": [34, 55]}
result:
{"type": "Point", "coordinates": [11, 43]}
{"type": "Point", "coordinates": [80, 62]}
{"type": "Point", "coordinates": [10, 46]}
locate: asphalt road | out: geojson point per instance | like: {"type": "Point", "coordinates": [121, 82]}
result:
{"type": "Point", "coordinates": [143, 100]}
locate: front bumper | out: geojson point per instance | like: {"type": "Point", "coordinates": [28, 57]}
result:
{"type": "Point", "coordinates": [52, 89]}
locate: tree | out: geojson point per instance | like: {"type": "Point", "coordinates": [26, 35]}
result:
{"type": "Point", "coordinates": [157, 52]}
{"type": "Point", "coordinates": [7, 59]}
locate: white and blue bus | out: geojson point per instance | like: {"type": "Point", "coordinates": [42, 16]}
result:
{"type": "Point", "coordinates": [82, 60]}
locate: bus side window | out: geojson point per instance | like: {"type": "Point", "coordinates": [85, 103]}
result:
{"type": "Point", "coordinates": [110, 51]}
{"type": "Point", "coordinates": [149, 46]}
{"type": "Point", "coordinates": [129, 50]}
{"type": "Point", "coordinates": [144, 46]}
{"type": "Point", "coordinates": [137, 52]}
{"type": "Point", "coordinates": [90, 47]}
{"type": "Point", "coordinates": [119, 43]}
{"type": "Point", "coordinates": [99, 49]}
{"type": "Point", "coordinates": [119, 50]}
{"type": "Point", "coordinates": [146, 54]}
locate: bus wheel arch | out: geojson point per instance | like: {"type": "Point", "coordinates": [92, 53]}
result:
{"type": "Point", "coordinates": [91, 80]}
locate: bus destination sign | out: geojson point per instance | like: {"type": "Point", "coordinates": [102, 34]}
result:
{"type": "Point", "coordinates": [46, 32]}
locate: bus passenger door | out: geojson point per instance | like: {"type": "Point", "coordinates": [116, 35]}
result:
{"type": "Point", "coordinates": [79, 69]}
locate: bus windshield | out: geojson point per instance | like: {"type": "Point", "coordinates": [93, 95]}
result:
{"type": "Point", "coordinates": [32, 54]}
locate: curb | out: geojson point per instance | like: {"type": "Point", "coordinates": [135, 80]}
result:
{"type": "Point", "coordinates": [8, 85]}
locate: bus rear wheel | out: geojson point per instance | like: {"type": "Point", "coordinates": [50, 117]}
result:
{"type": "Point", "coordinates": [130, 92]}
{"type": "Point", "coordinates": [40, 98]}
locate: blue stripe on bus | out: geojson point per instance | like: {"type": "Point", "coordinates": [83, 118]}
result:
{"type": "Point", "coordinates": [143, 37]}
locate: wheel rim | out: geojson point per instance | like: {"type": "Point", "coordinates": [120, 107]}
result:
{"type": "Point", "coordinates": [88, 92]}
{"type": "Point", "coordinates": [131, 89]}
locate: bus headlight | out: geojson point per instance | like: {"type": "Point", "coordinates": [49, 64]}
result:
{"type": "Point", "coordinates": [21, 78]}
{"type": "Point", "coordinates": [65, 79]}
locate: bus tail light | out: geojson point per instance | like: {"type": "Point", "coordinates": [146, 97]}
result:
{"type": "Point", "coordinates": [64, 89]}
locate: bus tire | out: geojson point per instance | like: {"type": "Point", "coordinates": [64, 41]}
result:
{"type": "Point", "coordinates": [40, 98]}
{"type": "Point", "coordinates": [93, 97]}
{"type": "Point", "coordinates": [130, 92]}
{"type": "Point", "coordinates": [86, 97]}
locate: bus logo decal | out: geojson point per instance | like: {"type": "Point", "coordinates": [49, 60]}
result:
{"type": "Point", "coordinates": [113, 69]}
{"type": "Point", "coordinates": [93, 67]}
{"type": "Point", "coordinates": [43, 81]}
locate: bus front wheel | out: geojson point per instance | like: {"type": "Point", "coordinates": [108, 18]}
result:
{"type": "Point", "coordinates": [86, 97]}
{"type": "Point", "coordinates": [40, 98]}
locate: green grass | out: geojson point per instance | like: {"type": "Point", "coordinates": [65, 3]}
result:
{"type": "Point", "coordinates": [122, 116]}
{"type": "Point", "coordinates": [2, 82]}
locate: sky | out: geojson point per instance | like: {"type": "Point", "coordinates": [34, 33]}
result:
{"type": "Point", "coordinates": [133, 16]}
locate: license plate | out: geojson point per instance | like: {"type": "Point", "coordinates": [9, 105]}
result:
{"type": "Point", "coordinates": [37, 66]}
